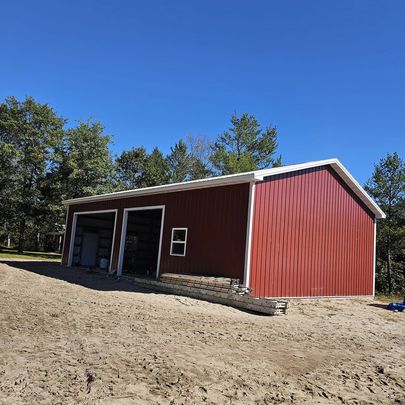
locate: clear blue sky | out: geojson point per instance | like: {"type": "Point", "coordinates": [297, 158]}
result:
{"type": "Point", "coordinates": [329, 74]}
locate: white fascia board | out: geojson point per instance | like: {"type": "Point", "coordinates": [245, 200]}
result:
{"type": "Point", "coordinates": [261, 174]}
{"type": "Point", "coordinates": [339, 169]}
{"type": "Point", "coordinates": [169, 188]}
{"type": "Point", "coordinates": [358, 190]}
{"type": "Point", "coordinates": [238, 178]}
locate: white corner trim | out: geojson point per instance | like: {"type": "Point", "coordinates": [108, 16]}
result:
{"type": "Point", "coordinates": [374, 255]}
{"type": "Point", "coordinates": [249, 226]}
{"type": "Point", "coordinates": [124, 234]}
{"type": "Point", "coordinates": [73, 233]}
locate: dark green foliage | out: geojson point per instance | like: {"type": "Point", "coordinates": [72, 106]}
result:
{"type": "Point", "coordinates": [42, 163]}
{"type": "Point", "coordinates": [156, 171]}
{"type": "Point", "coordinates": [29, 134]}
{"type": "Point", "coordinates": [178, 163]}
{"type": "Point", "coordinates": [136, 169]}
{"type": "Point", "coordinates": [245, 147]}
{"type": "Point", "coordinates": [87, 165]}
{"type": "Point", "coordinates": [130, 168]}
{"type": "Point", "coordinates": [387, 187]}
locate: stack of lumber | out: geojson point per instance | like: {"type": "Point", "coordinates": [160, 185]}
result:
{"type": "Point", "coordinates": [219, 284]}
{"type": "Point", "coordinates": [218, 290]}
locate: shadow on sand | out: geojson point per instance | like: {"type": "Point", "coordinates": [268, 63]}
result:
{"type": "Point", "coordinates": [90, 279]}
{"type": "Point", "coordinates": [85, 277]}
{"type": "Point", "coordinates": [376, 305]}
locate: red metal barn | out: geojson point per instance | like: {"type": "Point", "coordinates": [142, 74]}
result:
{"type": "Point", "coordinates": [304, 230]}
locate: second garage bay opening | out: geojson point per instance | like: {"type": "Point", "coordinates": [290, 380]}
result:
{"type": "Point", "coordinates": [142, 242]}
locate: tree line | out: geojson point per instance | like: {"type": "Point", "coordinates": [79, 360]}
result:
{"type": "Point", "coordinates": [387, 187]}
{"type": "Point", "coordinates": [45, 160]}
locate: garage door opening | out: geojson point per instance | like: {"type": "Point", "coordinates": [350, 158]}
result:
{"type": "Point", "coordinates": [92, 239]}
{"type": "Point", "coordinates": [142, 242]}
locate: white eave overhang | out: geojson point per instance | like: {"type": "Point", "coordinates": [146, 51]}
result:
{"type": "Point", "coordinates": [170, 188]}
{"type": "Point", "coordinates": [238, 178]}
{"type": "Point", "coordinates": [339, 169]}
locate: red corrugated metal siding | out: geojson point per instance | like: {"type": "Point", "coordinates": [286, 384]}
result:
{"type": "Point", "coordinates": [311, 236]}
{"type": "Point", "coordinates": [216, 220]}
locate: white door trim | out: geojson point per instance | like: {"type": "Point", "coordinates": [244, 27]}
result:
{"type": "Point", "coordinates": [124, 234]}
{"type": "Point", "coordinates": [64, 234]}
{"type": "Point", "coordinates": [73, 233]}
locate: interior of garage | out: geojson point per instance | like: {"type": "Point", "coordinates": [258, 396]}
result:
{"type": "Point", "coordinates": [93, 239]}
{"type": "Point", "coordinates": [142, 242]}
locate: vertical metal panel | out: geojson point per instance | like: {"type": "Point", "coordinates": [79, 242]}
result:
{"type": "Point", "coordinates": [216, 222]}
{"type": "Point", "coordinates": [311, 236]}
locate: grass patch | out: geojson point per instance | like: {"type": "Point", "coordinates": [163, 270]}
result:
{"type": "Point", "coordinates": [390, 298]}
{"type": "Point", "coordinates": [11, 253]}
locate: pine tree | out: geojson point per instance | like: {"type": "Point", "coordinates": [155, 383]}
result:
{"type": "Point", "coordinates": [178, 163]}
{"type": "Point", "coordinates": [245, 147]}
{"type": "Point", "coordinates": [387, 187]}
{"type": "Point", "coordinates": [156, 171]}
{"type": "Point", "coordinates": [130, 168]}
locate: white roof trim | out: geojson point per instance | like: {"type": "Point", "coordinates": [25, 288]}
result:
{"type": "Point", "coordinates": [339, 169]}
{"type": "Point", "coordinates": [238, 178]}
{"type": "Point", "coordinates": [169, 188]}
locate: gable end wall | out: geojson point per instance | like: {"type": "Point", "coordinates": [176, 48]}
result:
{"type": "Point", "coordinates": [311, 237]}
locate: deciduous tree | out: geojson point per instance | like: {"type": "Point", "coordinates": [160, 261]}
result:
{"type": "Point", "coordinates": [199, 148]}
{"type": "Point", "coordinates": [29, 133]}
{"type": "Point", "coordinates": [87, 167]}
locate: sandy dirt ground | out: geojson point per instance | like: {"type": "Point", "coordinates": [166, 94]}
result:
{"type": "Point", "coordinates": [70, 336]}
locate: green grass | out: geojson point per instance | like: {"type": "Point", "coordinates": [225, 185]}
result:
{"type": "Point", "coordinates": [11, 253]}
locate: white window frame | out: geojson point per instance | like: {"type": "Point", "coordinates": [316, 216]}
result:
{"type": "Point", "coordinates": [178, 241]}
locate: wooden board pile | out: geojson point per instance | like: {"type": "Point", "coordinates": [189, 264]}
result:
{"type": "Point", "coordinates": [219, 290]}
{"type": "Point", "coordinates": [219, 284]}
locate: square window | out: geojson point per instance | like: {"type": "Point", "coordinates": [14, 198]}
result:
{"type": "Point", "coordinates": [179, 235]}
{"type": "Point", "coordinates": [178, 248]}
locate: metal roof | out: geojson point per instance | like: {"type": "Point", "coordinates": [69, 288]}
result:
{"type": "Point", "coordinates": [238, 178]}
